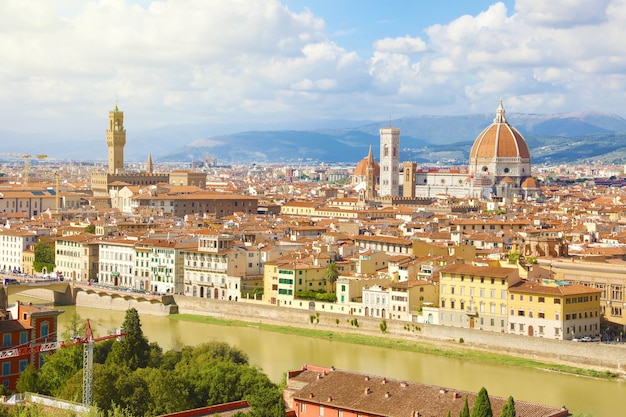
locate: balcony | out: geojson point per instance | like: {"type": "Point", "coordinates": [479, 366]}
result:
{"type": "Point", "coordinates": [471, 312]}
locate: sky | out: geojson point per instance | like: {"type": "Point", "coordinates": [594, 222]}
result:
{"type": "Point", "coordinates": [235, 65]}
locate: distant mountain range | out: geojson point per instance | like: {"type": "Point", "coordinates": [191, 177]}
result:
{"type": "Point", "coordinates": [559, 138]}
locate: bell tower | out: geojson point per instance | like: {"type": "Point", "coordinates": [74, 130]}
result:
{"type": "Point", "coordinates": [116, 139]}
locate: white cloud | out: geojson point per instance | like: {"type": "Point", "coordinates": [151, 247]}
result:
{"type": "Point", "coordinates": [211, 61]}
{"type": "Point", "coordinates": [403, 45]}
{"type": "Point", "coordinates": [562, 13]}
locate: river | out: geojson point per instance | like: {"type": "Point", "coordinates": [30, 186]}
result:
{"type": "Point", "coordinates": [278, 353]}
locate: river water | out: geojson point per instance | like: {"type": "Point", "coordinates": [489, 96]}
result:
{"type": "Point", "coordinates": [278, 353]}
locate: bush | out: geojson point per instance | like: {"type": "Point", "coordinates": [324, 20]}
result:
{"type": "Point", "coordinates": [383, 326]}
{"type": "Point", "coordinates": [461, 340]}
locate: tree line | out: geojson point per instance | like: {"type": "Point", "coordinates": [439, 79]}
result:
{"type": "Point", "coordinates": [133, 378]}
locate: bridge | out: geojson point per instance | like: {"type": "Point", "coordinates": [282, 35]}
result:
{"type": "Point", "coordinates": [65, 293]}
{"type": "Point", "coordinates": [61, 291]}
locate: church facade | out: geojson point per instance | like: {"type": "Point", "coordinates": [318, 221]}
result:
{"type": "Point", "coordinates": [499, 166]}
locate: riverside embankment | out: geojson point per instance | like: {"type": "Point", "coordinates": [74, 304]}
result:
{"type": "Point", "coordinates": [597, 356]}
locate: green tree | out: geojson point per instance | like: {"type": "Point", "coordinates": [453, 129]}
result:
{"type": "Point", "coordinates": [465, 412]}
{"type": "Point", "coordinates": [59, 368]}
{"type": "Point", "coordinates": [44, 256]}
{"type": "Point", "coordinates": [134, 350]}
{"type": "Point", "coordinates": [482, 406]}
{"type": "Point", "coordinates": [104, 388]}
{"type": "Point", "coordinates": [75, 326]}
{"type": "Point", "coordinates": [28, 380]}
{"type": "Point", "coordinates": [331, 273]}
{"type": "Point", "coordinates": [168, 391]}
{"type": "Point", "coordinates": [90, 229]}
{"type": "Point", "coordinates": [508, 409]}
{"type": "Point", "coordinates": [133, 393]}
{"type": "Point", "coordinates": [266, 403]}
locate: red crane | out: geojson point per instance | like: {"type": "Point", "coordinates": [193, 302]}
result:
{"type": "Point", "coordinates": [87, 341]}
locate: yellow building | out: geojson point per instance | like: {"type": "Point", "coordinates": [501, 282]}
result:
{"type": "Point", "coordinates": [474, 296]}
{"type": "Point", "coordinates": [282, 280]}
{"type": "Point", "coordinates": [77, 257]}
{"type": "Point", "coordinates": [554, 310]}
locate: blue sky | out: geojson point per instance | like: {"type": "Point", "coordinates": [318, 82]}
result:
{"type": "Point", "coordinates": [356, 25]}
{"type": "Point", "coordinates": [265, 64]}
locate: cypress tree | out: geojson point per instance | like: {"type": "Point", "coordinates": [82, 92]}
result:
{"type": "Point", "coordinates": [482, 406]}
{"type": "Point", "coordinates": [508, 409]}
{"type": "Point", "coordinates": [465, 412]}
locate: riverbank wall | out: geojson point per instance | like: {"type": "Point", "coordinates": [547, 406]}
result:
{"type": "Point", "coordinates": [161, 307]}
{"type": "Point", "coordinates": [600, 356]}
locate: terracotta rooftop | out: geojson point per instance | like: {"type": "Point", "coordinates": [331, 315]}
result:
{"type": "Point", "coordinates": [380, 396]}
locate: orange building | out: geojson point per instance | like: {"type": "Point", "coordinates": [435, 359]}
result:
{"type": "Point", "coordinates": [29, 334]}
{"type": "Point", "coordinates": [315, 391]}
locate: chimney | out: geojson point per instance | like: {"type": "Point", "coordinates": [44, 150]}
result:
{"type": "Point", "coordinates": [384, 381]}
{"type": "Point", "coordinates": [387, 395]}
{"type": "Point", "coordinates": [367, 390]}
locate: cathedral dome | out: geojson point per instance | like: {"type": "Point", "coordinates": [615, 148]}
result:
{"type": "Point", "coordinates": [361, 168]}
{"type": "Point", "coordinates": [530, 182]}
{"type": "Point", "coordinates": [500, 140]}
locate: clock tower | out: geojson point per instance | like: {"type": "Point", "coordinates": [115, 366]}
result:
{"type": "Point", "coordinates": [116, 139]}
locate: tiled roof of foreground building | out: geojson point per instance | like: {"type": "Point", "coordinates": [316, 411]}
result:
{"type": "Point", "coordinates": [380, 396]}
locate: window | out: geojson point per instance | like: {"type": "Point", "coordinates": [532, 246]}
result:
{"type": "Point", "coordinates": [6, 368]}
{"type": "Point", "coordinates": [23, 337]}
{"type": "Point", "coordinates": [23, 364]}
{"type": "Point", "coordinates": [303, 407]}
{"type": "Point", "coordinates": [557, 301]}
{"type": "Point", "coordinates": [321, 410]}
{"type": "Point", "coordinates": [6, 339]}
{"type": "Point", "coordinates": [45, 329]}
{"type": "Point", "coordinates": [541, 299]}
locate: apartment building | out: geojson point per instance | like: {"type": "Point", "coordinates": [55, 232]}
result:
{"type": "Point", "coordinates": [554, 309]}
{"type": "Point", "coordinates": [31, 202]}
{"type": "Point", "coordinates": [166, 264]}
{"type": "Point", "coordinates": [201, 202]}
{"type": "Point", "coordinates": [77, 257]}
{"type": "Point", "coordinates": [213, 268]}
{"type": "Point", "coordinates": [283, 279]}
{"type": "Point", "coordinates": [25, 328]}
{"type": "Point", "coordinates": [13, 245]}
{"type": "Point", "coordinates": [475, 297]}
{"type": "Point", "coordinates": [116, 263]}
{"type": "Point", "coordinates": [389, 244]}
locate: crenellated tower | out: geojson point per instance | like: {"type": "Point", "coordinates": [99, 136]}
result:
{"type": "Point", "coordinates": [116, 139]}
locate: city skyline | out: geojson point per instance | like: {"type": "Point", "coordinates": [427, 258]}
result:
{"type": "Point", "coordinates": [295, 64]}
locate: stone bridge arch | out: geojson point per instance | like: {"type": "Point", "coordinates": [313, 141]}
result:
{"type": "Point", "coordinates": [60, 293]}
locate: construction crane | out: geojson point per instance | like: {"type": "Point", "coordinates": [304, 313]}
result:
{"type": "Point", "coordinates": [87, 341]}
{"type": "Point", "coordinates": [27, 166]}
{"type": "Point", "coordinates": [26, 158]}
